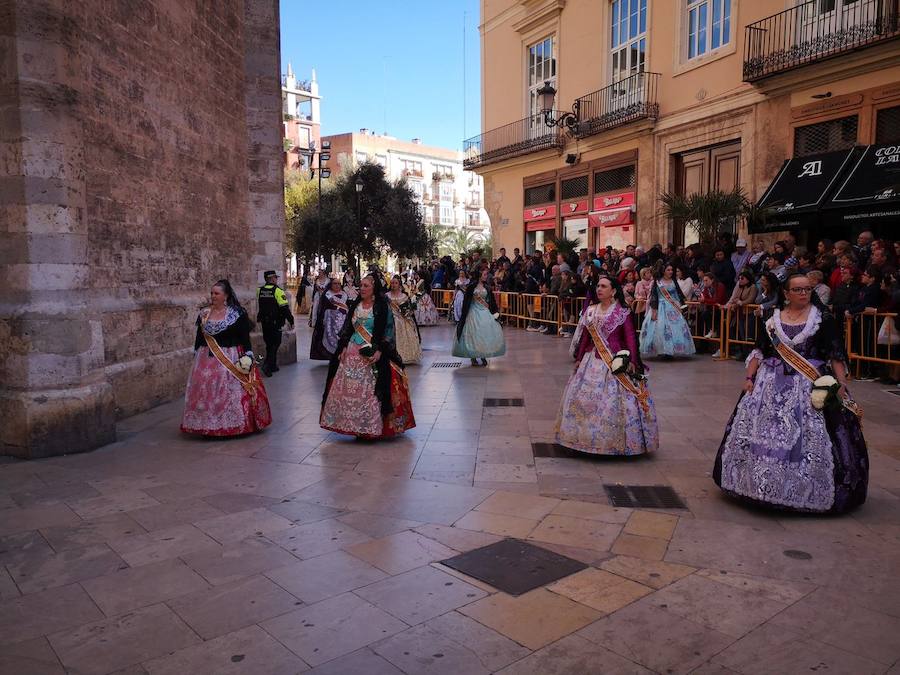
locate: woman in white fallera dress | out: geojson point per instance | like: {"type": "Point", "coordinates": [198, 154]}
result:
{"type": "Point", "coordinates": [409, 343]}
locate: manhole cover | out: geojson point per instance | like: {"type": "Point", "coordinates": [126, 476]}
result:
{"type": "Point", "coordinates": [797, 555]}
{"type": "Point", "coordinates": [504, 402]}
{"type": "Point", "coordinates": [514, 566]}
{"type": "Point", "coordinates": [446, 364]}
{"type": "Point", "coordinates": [644, 496]}
{"type": "Point", "coordinates": [553, 450]}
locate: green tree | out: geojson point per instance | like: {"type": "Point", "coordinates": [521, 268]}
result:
{"type": "Point", "coordinates": [567, 247]}
{"type": "Point", "coordinates": [708, 213]}
{"type": "Point", "coordinates": [461, 242]}
{"type": "Point", "coordinates": [383, 216]}
{"type": "Point", "coordinates": [441, 238]}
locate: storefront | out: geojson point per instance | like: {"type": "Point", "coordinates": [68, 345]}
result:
{"type": "Point", "coordinates": [612, 220]}
{"type": "Point", "coordinates": [540, 226]}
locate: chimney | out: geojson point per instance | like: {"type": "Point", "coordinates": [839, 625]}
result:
{"type": "Point", "coordinates": [417, 141]}
{"type": "Point", "coordinates": [364, 131]}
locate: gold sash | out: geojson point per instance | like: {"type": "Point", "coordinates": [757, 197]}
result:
{"type": "Point", "coordinates": [639, 392]}
{"type": "Point", "coordinates": [481, 301]}
{"type": "Point", "coordinates": [248, 381]}
{"type": "Point", "coordinates": [796, 361]}
{"type": "Point", "coordinates": [663, 292]}
{"type": "Point", "coordinates": [364, 333]}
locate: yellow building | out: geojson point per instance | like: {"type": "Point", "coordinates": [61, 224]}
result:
{"type": "Point", "coordinates": [680, 95]}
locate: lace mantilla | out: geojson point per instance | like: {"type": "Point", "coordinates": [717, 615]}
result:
{"type": "Point", "coordinates": [215, 327]}
{"type": "Point", "coordinates": [813, 320]}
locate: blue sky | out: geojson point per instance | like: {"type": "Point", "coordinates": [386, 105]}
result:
{"type": "Point", "coordinates": [388, 65]}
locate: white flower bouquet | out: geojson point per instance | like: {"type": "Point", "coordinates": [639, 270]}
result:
{"type": "Point", "coordinates": [620, 361]}
{"type": "Point", "coordinates": [245, 363]}
{"type": "Point", "coordinates": [824, 392]}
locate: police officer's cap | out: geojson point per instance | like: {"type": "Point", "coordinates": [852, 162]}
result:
{"type": "Point", "coordinates": [269, 273]}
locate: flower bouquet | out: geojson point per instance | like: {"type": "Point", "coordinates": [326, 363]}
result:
{"type": "Point", "coordinates": [620, 362]}
{"type": "Point", "coordinates": [824, 392]}
{"type": "Point", "coordinates": [245, 363]}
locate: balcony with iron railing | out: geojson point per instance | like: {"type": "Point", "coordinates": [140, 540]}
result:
{"type": "Point", "coordinates": [522, 137]}
{"type": "Point", "coordinates": [628, 100]}
{"type": "Point", "coordinates": [815, 31]}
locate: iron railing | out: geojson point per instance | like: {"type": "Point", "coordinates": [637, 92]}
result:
{"type": "Point", "coordinates": [625, 101]}
{"type": "Point", "coordinates": [808, 34]}
{"type": "Point", "coordinates": [511, 140]}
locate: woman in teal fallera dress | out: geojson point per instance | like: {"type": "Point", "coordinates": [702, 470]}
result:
{"type": "Point", "coordinates": [478, 335]}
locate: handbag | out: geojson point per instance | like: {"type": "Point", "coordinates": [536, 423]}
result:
{"type": "Point", "coordinates": [888, 333]}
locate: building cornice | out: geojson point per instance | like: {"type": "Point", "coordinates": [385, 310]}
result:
{"type": "Point", "coordinates": [537, 13]}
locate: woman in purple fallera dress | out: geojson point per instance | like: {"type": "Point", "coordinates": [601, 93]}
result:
{"type": "Point", "coordinates": [606, 408]}
{"type": "Point", "coordinates": [795, 440]}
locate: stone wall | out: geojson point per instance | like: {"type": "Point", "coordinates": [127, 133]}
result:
{"type": "Point", "coordinates": [140, 160]}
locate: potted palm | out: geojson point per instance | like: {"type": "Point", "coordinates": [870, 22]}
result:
{"type": "Point", "coordinates": [707, 213]}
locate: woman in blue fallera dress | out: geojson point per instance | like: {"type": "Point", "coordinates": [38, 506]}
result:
{"type": "Point", "coordinates": [478, 335]}
{"type": "Point", "coordinates": [664, 331]}
{"type": "Point", "coordinates": [785, 446]}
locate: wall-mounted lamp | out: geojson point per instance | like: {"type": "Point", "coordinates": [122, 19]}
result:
{"type": "Point", "coordinates": [826, 94]}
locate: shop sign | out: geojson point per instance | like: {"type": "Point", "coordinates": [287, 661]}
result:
{"type": "Point", "coordinates": [613, 201]}
{"type": "Point", "coordinates": [539, 212]}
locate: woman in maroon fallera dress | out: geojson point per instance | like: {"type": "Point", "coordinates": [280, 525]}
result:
{"type": "Point", "coordinates": [225, 395]}
{"type": "Point", "coordinates": [606, 408]}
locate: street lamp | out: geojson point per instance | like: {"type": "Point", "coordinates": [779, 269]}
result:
{"type": "Point", "coordinates": [359, 189]}
{"type": "Point", "coordinates": [547, 96]}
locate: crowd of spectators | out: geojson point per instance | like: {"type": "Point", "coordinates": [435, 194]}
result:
{"type": "Point", "coordinates": [852, 278]}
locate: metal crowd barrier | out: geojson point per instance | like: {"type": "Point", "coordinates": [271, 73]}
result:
{"type": "Point", "coordinates": [874, 338]}
{"type": "Point", "coordinates": [742, 325]}
{"type": "Point", "coordinates": [705, 319]}
{"type": "Point", "coordinates": [443, 299]}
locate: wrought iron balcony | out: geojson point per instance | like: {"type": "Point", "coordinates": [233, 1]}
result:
{"type": "Point", "coordinates": [625, 101]}
{"type": "Point", "coordinates": [811, 32]}
{"type": "Point", "coordinates": [525, 136]}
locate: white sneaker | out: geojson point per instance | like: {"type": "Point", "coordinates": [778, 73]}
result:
{"type": "Point", "coordinates": [543, 329]}
{"type": "Point", "coordinates": [717, 354]}
{"type": "Point", "coordinates": [711, 335]}
{"type": "Point", "coordinates": [532, 329]}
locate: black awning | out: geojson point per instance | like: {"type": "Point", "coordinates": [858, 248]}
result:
{"type": "Point", "coordinates": [872, 187]}
{"type": "Point", "coordinates": [801, 189]}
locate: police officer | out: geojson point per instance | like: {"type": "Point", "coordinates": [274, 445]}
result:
{"type": "Point", "coordinates": [273, 312]}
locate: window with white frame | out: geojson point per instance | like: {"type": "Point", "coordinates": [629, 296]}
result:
{"type": "Point", "coordinates": [628, 40]}
{"type": "Point", "coordinates": [418, 188]}
{"type": "Point", "coordinates": [446, 192]}
{"type": "Point", "coordinates": [411, 167]}
{"type": "Point", "coordinates": [541, 68]}
{"type": "Point", "coordinates": [445, 171]}
{"type": "Point", "coordinates": [361, 158]}
{"type": "Point", "coordinates": [381, 160]}
{"type": "Point", "coordinates": [708, 26]}
{"type": "Point", "coordinates": [474, 219]}
{"type": "Point", "coordinates": [446, 215]}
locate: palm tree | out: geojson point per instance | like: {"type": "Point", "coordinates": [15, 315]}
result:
{"type": "Point", "coordinates": [461, 242]}
{"type": "Point", "coordinates": [441, 238]}
{"type": "Point", "coordinates": [707, 213]}
{"type": "Point", "coordinates": [567, 247]}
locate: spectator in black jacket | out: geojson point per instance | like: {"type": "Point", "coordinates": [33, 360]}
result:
{"type": "Point", "coordinates": [866, 301]}
{"type": "Point", "coordinates": [723, 269]}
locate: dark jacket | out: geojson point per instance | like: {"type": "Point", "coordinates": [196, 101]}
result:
{"type": "Point", "coordinates": [655, 295]}
{"type": "Point", "coordinates": [866, 296]}
{"type": "Point", "coordinates": [382, 311]}
{"type": "Point", "coordinates": [236, 335]}
{"type": "Point", "coordinates": [468, 298]}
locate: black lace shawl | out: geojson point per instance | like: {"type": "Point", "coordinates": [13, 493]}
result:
{"type": "Point", "coordinates": [467, 304]}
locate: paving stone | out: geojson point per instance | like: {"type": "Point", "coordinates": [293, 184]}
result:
{"type": "Point", "coordinates": [653, 573]}
{"type": "Point", "coordinates": [375, 525]}
{"type": "Point", "coordinates": [8, 588]}
{"type": "Point", "coordinates": [773, 649]}
{"type": "Point", "coordinates": [37, 614]}
{"type": "Point", "coordinates": [519, 505]}
{"type": "Point", "coordinates": [65, 567]}
{"type": "Point", "coordinates": [726, 609]}
{"type": "Point", "coordinates": [592, 511]}
{"type": "Point", "coordinates": [122, 641]}
{"type": "Point", "coordinates": [299, 512]}
{"type": "Point", "coordinates": [590, 534]}
{"type": "Point", "coordinates": [88, 532]}
{"type": "Point", "coordinates": [493, 523]}
{"type": "Point", "coordinates": [534, 619]}
{"type": "Point", "coordinates": [32, 657]}
{"type": "Point", "coordinates": [110, 503]}
{"type": "Point", "coordinates": [401, 552]}
{"type": "Point", "coordinates": [234, 502]}
{"type": "Point", "coordinates": [505, 473]}
{"type": "Point", "coordinates": [24, 547]}
{"type": "Point", "coordinates": [651, 524]}
{"type": "Point", "coordinates": [142, 586]}
{"type": "Point", "coordinates": [420, 595]}
{"type": "Point", "coordinates": [655, 638]}
{"type": "Point", "coordinates": [170, 542]}
{"type": "Point", "coordinates": [37, 517]}
{"type": "Point", "coordinates": [493, 650]}
{"type": "Point", "coordinates": [361, 662]}
{"type": "Point", "coordinates": [326, 630]}
{"type": "Point", "coordinates": [313, 539]}
{"type": "Point", "coordinates": [250, 650]}
{"type": "Point", "coordinates": [54, 494]}
{"type": "Point", "coordinates": [174, 513]}
{"type": "Point", "coordinates": [423, 651]}
{"type": "Point", "coordinates": [226, 564]}
{"type": "Point", "coordinates": [647, 548]}
{"type": "Point", "coordinates": [600, 590]}
{"type": "Point", "coordinates": [236, 526]}
{"type": "Point", "coordinates": [787, 592]}
{"type": "Point", "coordinates": [574, 654]}
{"type": "Point", "coordinates": [457, 538]}
{"type": "Point", "coordinates": [178, 492]}
{"type": "Point", "coordinates": [325, 576]}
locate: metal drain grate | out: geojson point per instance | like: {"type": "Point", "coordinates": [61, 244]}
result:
{"type": "Point", "coordinates": [644, 496]}
{"type": "Point", "coordinates": [514, 566]}
{"type": "Point", "coordinates": [504, 403]}
{"type": "Point", "coordinates": [446, 364]}
{"type": "Point", "coordinates": [553, 450]}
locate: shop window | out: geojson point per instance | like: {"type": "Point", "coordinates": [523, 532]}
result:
{"type": "Point", "coordinates": [573, 188]}
{"type": "Point", "coordinates": [887, 126]}
{"type": "Point", "coordinates": [541, 194]}
{"type": "Point", "coordinates": [611, 180]}
{"type": "Point", "coordinates": [839, 134]}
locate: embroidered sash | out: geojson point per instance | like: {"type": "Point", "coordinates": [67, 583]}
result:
{"type": "Point", "coordinates": [249, 382]}
{"type": "Point", "coordinates": [364, 333]}
{"type": "Point", "coordinates": [799, 363]}
{"type": "Point", "coordinates": [665, 293]}
{"type": "Point", "coordinates": [638, 391]}
{"type": "Point", "coordinates": [481, 301]}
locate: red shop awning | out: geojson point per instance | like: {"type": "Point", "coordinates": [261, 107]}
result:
{"type": "Point", "coordinates": [611, 217]}
{"type": "Point", "coordinates": [535, 225]}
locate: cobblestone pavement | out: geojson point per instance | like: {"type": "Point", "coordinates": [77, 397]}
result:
{"type": "Point", "coordinates": [297, 549]}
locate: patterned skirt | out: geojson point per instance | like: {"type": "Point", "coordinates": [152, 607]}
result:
{"type": "Point", "coordinates": [215, 403]}
{"type": "Point", "coordinates": [599, 417]}
{"type": "Point", "coordinates": [426, 312]}
{"type": "Point", "coordinates": [351, 406]}
{"type": "Point", "coordinates": [668, 335]}
{"type": "Point", "coordinates": [408, 345]}
{"type": "Point", "coordinates": [482, 337]}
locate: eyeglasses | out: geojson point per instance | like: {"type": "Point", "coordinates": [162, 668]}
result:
{"type": "Point", "coordinates": [803, 290]}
